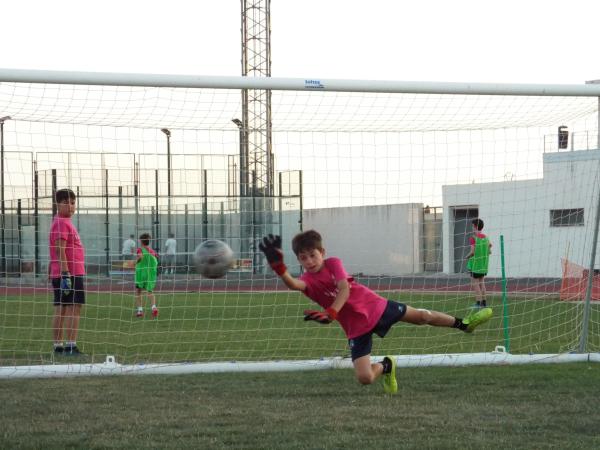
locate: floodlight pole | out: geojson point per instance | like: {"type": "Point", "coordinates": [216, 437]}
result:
{"type": "Point", "coordinates": [168, 134]}
{"type": "Point", "coordinates": [2, 207]}
{"type": "Point", "coordinates": [590, 281]}
{"type": "Point", "coordinates": [245, 236]}
{"type": "Point", "coordinates": [243, 159]}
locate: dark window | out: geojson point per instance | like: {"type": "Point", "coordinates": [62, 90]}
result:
{"type": "Point", "coordinates": [566, 217]}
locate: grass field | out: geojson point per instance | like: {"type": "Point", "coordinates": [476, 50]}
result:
{"type": "Point", "coordinates": [536, 406]}
{"type": "Point", "coordinates": [262, 326]}
{"type": "Point", "coordinates": [521, 407]}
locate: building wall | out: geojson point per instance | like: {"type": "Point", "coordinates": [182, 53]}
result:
{"type": "Point", "coordinates": [520, 211]}
{"type": "Point", "coordinates": [372, 240]}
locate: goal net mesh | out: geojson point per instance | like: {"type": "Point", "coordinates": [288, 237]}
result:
{"type": "Point", "coordinates": [391, 181]}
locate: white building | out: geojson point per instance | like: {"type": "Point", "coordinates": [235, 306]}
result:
{"type": "Point", "coordinates": [373, 240]}
{"type": "Point", "coordinates": [542, 220]}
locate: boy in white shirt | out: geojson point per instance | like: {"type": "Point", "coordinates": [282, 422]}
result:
{"type": "Point", "coordinates": [170, 253]}
{"type": "Point", "coordinates": [129, 248]}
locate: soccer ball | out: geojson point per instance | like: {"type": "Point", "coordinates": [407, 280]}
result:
{"type": "Point", "coordinates": [213, 258]}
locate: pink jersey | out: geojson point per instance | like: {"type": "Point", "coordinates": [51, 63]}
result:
{"type": "Point", "coordinates": [360, 313]}
{"type": "Point", "coordinates": [152, 252]}
{"type": "Point", "coordinates": [472, 239]}
{"type": "Point", "coordinates": [63, 228]}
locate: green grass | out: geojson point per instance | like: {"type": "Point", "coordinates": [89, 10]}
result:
{"type": "Point", "coordinates": [522, 407]}
{"type": "Point", "coordinates": [261, 326]}
{"type": "Point", "coordinates": [537, 406]}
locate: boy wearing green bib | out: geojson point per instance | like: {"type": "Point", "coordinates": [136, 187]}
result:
{"type": "Point", "coordinates": [145, 275]}
{"type": "Point", "coordinates": [478, 260]}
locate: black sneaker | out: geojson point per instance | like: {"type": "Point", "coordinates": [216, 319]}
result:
{"type": "Point", "coordinates": [58, 350]}
{"type": "Point", "coordinates": [73, 351]}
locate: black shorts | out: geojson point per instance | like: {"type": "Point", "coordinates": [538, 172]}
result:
{"type": "Point", "coordinates": [477, 275]}
{"type": "Point", "coordinates": [361, 345]}
{"type": "Point", "coordinates": [77, 295]}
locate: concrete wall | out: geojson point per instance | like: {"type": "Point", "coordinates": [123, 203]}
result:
{"type": "Point", "coordinates": [373, 240]}
{"type": "Point", "coordinates": [520, 210]}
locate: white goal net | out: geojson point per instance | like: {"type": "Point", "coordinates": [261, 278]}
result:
{"type": "Point", "coordinates": [392, 176]}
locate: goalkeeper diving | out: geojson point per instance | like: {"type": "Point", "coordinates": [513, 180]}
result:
{"type": "Point", "coordinates": [359, 311]}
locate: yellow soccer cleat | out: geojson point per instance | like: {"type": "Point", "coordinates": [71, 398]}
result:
{"type": "Point", "coordinates": [475, 319]}
{"type": "Point", "coordinates": [390, 385]}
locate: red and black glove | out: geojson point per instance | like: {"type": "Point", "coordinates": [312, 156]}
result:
{"type": "Point", "coordinates": [271, 247]}
{"type": "Point", "coordinates": [323, 317]}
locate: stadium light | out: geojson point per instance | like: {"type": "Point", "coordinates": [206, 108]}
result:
{"type": "Point", "coordinates": [167, 133]}
{"type": "Point", "coordinates": [243, 160]}
{"type": "Point", "coordinates": [2, 209]}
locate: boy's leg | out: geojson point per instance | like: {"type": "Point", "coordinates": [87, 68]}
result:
{"type": "Point", "coordinates": [57, 326]}
{"type": "Point", "coordinates": [476, 289]}
{"type": "Point", "coordinates": [424, 316]}
{"type": "Point", "coordinates": [58, 320]}
{"type": "Point", "coordinates": [72, 313]}
{"type": "Point", "coordinates": [482, 291]}
{"type": "Point", "coordinates": [153, 303]}
{"type": "Point", "coordinates": [138, 303]}
{"type": "Point", "coordinates": [439, 319]}
{"type": "Point", "coordinates": [366, 373]}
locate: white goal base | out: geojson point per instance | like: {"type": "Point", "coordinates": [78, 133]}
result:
{"type": "Point", "coordinates": [111, 367]}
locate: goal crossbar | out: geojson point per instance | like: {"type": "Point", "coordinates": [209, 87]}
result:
{"type": "Point", "coordinates": [296, 84]}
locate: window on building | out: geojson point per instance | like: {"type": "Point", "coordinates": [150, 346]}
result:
{"type": "Point", "coordinates": [566, 217]}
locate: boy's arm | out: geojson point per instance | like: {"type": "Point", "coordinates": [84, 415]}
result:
{"type": "Point", "coordinates": [342, 296]}
{"type": "Point", "coordinates": [293, 283]}
{"type": "Point", "coordinates": [65, 276]}
{"type": "Point", "coordinates": [472, 252]}
{"type": "Point", "coordinates": [331, 313]}
{"type": "Point", "coordinates": [271, 247]}
{"type": "Point", "coordinates": [62, 255]}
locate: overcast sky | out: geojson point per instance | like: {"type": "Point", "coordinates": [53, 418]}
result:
{"type": "Point", "coordinates": [462, 40]}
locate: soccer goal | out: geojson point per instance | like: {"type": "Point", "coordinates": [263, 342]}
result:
{"type": "Point", "coordinates": [392, 174]}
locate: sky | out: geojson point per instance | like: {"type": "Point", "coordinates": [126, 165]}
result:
{"type": "Point", "coordinates": [527, 41]}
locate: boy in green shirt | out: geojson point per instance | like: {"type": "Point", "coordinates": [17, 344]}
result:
{"type": "Point", "coordinates": [145, 275]}
{"type": "Point", "coordinates": [478, 260]}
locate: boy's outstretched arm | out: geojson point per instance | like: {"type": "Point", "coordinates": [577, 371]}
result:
{"type": "Point", "coordinates": [331, 313]}
{"type": "Point", "coordinates": [271, 247]}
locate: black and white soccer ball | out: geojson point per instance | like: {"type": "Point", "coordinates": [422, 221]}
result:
{"type": "Point", "coordinates": [213, 258]}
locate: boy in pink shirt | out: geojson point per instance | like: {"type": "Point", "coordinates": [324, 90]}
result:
{"type": "Point", "coordinates": [359, 310]}
{"type": "Point", "coordinates": [67, 273]}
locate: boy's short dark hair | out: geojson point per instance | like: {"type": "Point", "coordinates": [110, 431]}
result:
{"type": "Point", "coordinates": [64, 194]}
{"type": "Point", "coordinates": [478, 223]}
{"type": "Point", "coordinates": [306, 241]}
{"type": "Point", "coordinates": [145, 238]}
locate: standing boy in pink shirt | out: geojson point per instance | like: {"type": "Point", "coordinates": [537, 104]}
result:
{"type": "Point", "coordinates": [67, 272]}
{"type": "Point", "coordinates": [359, 310]}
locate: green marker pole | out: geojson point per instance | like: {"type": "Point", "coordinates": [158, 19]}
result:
{"type": "Point", "coordinates": [504, 299]}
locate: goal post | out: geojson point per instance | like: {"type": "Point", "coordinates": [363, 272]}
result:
{"type": "Point", "coordinates": [391, 173]}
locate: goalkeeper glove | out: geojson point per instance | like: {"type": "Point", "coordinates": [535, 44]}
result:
{"type": "Point", "coordinates": [65, 283]}
{"type": "Point", "coordinates": [271, 247]}
{"type": "Point", "coordinates": [323, 317]}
